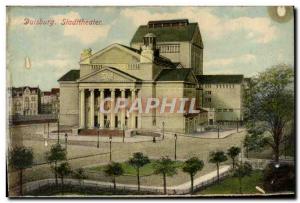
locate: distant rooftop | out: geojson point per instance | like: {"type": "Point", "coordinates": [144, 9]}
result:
{"type": "Point", "coordinates": [72, 75]}
{"type": "Point", "coordinates": [167, 31]}
{"type": "Point", "coordinates": [215, 79]}
{"type": "Point", "coordinates": [168, 23]}
{"type": "Point", "coordinates": [174, 74]}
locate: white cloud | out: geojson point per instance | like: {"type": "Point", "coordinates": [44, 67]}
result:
{"type": "Point", "coordinates": [87, 34]}
{"type": "Point", "coordinates": [59, 63]}
{"type": "Point", "coordinates": [222, 62]}
{"type": "Point", "coordinates": [260, 29]}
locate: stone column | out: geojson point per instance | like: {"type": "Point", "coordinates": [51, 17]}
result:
{"type": "Point", "coordinates": [101, 114]}
{"type": "Point", "coordinates": [92, 109]}
{"type": "Point", "coordinates": [82, 109]}
{"type": "Point", "coordinates": [133, 113]}
{"type": "Point", "coordinates": [123, 109]}
{"type": "Point", "coordinates": [139, 95]}
{"type": "Point", "coordinates": [98, 107]}
{"type": "Point", "coordinates": [112, 113]}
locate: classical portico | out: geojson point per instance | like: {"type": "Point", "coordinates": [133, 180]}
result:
{"type": "Point", "coordinates": [98, 94]}
{"type": "Point", "coordinates": [92, 116]}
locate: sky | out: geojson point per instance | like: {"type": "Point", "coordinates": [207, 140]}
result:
{"type": "Point", "coordinates": [237, 40]}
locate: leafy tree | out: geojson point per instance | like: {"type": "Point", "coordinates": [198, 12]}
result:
{"type": "Point", "coordinates": [242, 170]}
{"type": "Point", "coordinates": [233, 152]}
{"type": "Point", "coordinates": [63, 170]}
{"type": "Point", "coordinates": [57, 153]}
{"type": "Point", "coordinates": [80, 175]}
{"type": "Point", "coordinates": [192, 166]}
{"type": "Point", "coordinates": [270, 101]}
{"type": "Point", "coordinates": [255, 139]}
{"type": "Point", "coordinates": [138, 161]}
{"type": "Point", "coordinates": [217, 158]}
{"type": "Point", "coordinates": [166, 167]}
{"type": "Point", "coordinates": [114, 170]}
{"type": "Point", "coordinates": [254, 142]}
{"type": "Point", "coordinates": [21, 158]}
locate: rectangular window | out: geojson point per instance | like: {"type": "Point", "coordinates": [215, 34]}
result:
{"type": "Point", "coordinates": [208, 99]}
{"type": "Point", "coordinates": [133, 66]}
{"type": "Point", "coordinates": [169, 48]}
{"type": "Point", "coordinates": [224, 110]}
{"type": "Point", "coordinates": [208, 92]}
{"type": "Point", "coordinates": [230, 110]}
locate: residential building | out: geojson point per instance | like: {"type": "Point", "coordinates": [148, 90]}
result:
{"type": "Point", "coordinates": [24, 100]}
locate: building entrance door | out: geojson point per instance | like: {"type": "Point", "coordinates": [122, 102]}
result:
{"type": "Point", "coordinates": [96, 121]}
{"type": "Point", "coordinates": [136, 122]}
{"type": "Point", "coordinates": [116, 122]}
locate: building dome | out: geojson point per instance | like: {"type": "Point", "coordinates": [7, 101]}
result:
{"type": "Point", "coordinates": [150, 35]}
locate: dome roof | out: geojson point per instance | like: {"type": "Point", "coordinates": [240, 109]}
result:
{"type": "Point", "coordinates": [150, 35]}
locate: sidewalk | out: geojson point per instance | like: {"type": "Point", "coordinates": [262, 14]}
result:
{"type": "Point", "coordinates": [214, 135]}
{"type": "Point", "coordinates": [134, 139]}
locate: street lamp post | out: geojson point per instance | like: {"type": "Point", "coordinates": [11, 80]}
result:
{"type": "Point", "coordinates": [110, 140]}
{"type": "Point", "coordinates": [163, 129]}
{"type": "Point", "coordinates": [66, 140]}
{"type": "Point", "coordinates": [237, 125]}
{"type": "Point", "coordinates": [58, 129]}
{"type": "Point", "coordinates": [98, 137]}
{"type": "Point", "coordinates": [48, 129]}
{"type": "Point", "coordinates": [123, 133]}
{"type": "Point", "coordinates": [175, 155]}
{"type": "Point", "coordinates": [218, 131]}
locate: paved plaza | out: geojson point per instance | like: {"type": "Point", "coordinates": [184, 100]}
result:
{"type": "Point", "coordinates": [83, 152]}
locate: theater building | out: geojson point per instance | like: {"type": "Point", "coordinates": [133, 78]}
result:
{"type": "Point", "coordinates": [139, 71]}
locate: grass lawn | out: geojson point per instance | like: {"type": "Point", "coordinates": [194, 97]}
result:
{"type": "Point", "coordinates": [146, 170]}
{"type": "Point", "coordinates": [231, 185]}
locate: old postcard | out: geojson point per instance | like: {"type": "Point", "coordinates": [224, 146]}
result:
{"type": "Point", "coordinates": [150, 101]}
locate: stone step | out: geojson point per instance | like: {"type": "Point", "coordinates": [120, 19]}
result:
{"type": "Point", "coordinates": [102, 132]}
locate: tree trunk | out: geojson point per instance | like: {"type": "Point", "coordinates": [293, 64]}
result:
{"type": "Point", "coordinates": [138, 178]}
{"type": "Point", "coordinates": [62, 185]}
{"type": "Point", "coordinates": [218, 172]}
{"type": "Point", "coordinates": [247, 152]}
{"type": "Point", "coordinates": [165, 184]}
{"type": "Point", "coordinates": [192, 184]}
{"type": "Point", "coordinates": [277, 134]}
{"type": "Point", "coordinates": [55, 168]}
{"type": "Point", "coordinates": [233, 163]}
{"type": "Point", "coordinates": [276, 148]}
{"type": "Point", "coordinates": [240, 181]}
{"type": "Point", "coordinates": [114, 182]}
{"type": "Point", "coordinates": [21, 182]}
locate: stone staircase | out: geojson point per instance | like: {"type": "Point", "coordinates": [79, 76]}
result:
{"type": "Point", "coordinates": [102, 132]}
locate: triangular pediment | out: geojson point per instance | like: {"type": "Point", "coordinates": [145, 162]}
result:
{"type": "Point", "coordinates": [115, 53]}
{"type": "Point", "coordinates": [108, 74]}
